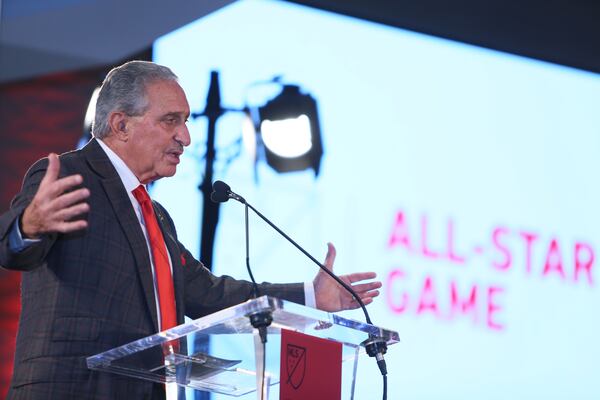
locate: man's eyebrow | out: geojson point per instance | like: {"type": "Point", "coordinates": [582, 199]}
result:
{"type": "Point", "coordinates": [177, 114]}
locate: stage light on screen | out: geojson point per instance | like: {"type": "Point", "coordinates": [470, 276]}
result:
{"type": "Point", "coordinates": [287, 137]}
{"type": "Point", "coordinates": [289, 131]}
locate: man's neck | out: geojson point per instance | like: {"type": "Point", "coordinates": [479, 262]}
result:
{"type": "Point", "coordinates": [128, 177]}
{"type": "Point", "coordinates": [119, 148]}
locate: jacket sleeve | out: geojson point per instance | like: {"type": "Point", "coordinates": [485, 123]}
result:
{"type": "Point", "coordinates": [206, 293]}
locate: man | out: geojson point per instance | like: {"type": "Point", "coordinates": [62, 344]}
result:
{"type": "Point", "coordinates": [102, 263]}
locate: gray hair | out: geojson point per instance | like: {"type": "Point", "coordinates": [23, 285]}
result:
{"type": "Point", "coordinates": [124, 89]}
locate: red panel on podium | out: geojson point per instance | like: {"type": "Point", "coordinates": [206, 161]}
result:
{"type": "Point", "coordinates": [311, 367]}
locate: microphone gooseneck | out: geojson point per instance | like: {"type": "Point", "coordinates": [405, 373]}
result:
{"type": "Point", "coordinates": [255, 286]}
{"type": "Point", "coordinates": [313, 259]}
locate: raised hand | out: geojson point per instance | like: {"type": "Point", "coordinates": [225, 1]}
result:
{"type": "Point", "coordinates": [53, 207]}
{"type": "Point", "coordinates": [331, 296]}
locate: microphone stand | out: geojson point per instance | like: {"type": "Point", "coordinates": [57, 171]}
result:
{"type": "Point", "coordinates": [375, 346]}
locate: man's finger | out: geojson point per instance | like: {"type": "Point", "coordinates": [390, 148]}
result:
{"type": "Point", "coordinates": [70, 198]}
{"type": "Point", "coordinates": [369, 295]}
{"type": "Point", "coordinates": [330, 257]}
{"type": "Point", "coordinates": [367, 301]}
{"type": "Point", "coordinates": [361, 276]}
{"type": "Point", "coordinates": [72, 226]}
{"type": "Point", "coordinates": [52, 170]}
{"type": "Point", "coordinates": [365, 287]}
{"type": "Point", "coordinates": [68, 213]}
{"type": "Point", "coordinates": [355, 304]}
{"type": "Point", "coordinates": [59, 186]}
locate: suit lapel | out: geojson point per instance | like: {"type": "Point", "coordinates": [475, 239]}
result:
{"type": "Point", "coordinates": [119, 200]}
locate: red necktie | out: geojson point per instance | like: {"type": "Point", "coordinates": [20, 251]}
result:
{"type": "Point", "coordinates": [162, 270]}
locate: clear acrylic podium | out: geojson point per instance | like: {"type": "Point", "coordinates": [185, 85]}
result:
{"type": "Point", "coordinates": [229, 366]}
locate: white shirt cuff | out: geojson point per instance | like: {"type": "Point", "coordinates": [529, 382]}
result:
{"type": "Point", "coordinates": [309, 295]}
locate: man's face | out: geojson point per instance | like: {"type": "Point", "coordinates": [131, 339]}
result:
{"type": "Point", "coordinates": [157, 138]}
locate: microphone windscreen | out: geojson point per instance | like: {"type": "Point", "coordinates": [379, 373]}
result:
{"type": "Point", "coordinates": [219, 197]}
{"type": "Point", "coordinates": [220, 186]}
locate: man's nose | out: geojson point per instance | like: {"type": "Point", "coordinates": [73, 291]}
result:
{"type": "Point", "coordinates": [183, 136]}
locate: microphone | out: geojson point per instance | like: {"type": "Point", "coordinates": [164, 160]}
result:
{"type": "Point", "coordinates": [222, 192]}
{"type": "Point", "coordinates": [218, 197]}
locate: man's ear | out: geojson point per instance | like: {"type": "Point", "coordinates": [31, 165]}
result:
{"type": "Point", "coordinates": [117, 121]}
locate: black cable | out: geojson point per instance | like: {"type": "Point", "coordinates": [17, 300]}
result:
{"type": "Point", "coordinates": [254, 285]}
{"type": "Point", "coordinates": [384, 387]}
{"type": "Point", "coordinates": [260, 320]}
{"type": "Point", "coordinates": [264, 362]}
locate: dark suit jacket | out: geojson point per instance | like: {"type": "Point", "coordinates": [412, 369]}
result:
{"type": "Point", "coordinates": [90, 291]}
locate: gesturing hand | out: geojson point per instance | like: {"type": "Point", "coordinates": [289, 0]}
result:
{"type": "Point", "coordinates": [331, 296]}
{"type": "Point", "coordinates": [52, 210]}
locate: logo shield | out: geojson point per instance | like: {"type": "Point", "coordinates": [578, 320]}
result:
{"type": "Point", "coordinates": [296, 365]}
